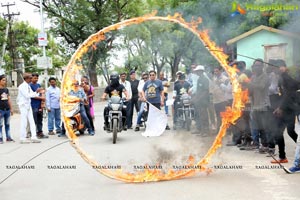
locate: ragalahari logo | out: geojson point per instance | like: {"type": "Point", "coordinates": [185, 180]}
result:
{"type": "Point", "coordinates": [237, 10]}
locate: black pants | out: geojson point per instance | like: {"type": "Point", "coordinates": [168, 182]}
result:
{"type": "Point", "coordinates": [289, 121]}
{"type": "Point", "coordinates": [63, 130]}
{"type": "Point", "coordinates": [264, 121]}
{"type": "Point", "coordinates": [201, 117]}
{"type": "Point", "coordinates": [128, 110]}
{"type": "Point", "coordinates": [133, 104]}
{"type": "Point", "coordinates": [241, 129]}
{"type": "Point", "coordinates": [88, 114]}
{"type": "Point", "coordinates": [219, 107]}
{"type": "Point", "coordinates": [38, 119]}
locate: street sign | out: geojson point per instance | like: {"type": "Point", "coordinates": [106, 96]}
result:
{"type": "Point", "coordinates": [42, 38]}
{"type": "Point", "coordinates": [44, 62]}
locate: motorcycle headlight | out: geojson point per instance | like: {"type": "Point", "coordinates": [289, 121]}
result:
{"type": "Point", "coordinates": [115, 106]}
{"type": "Point", "coordinates": [186, 99]}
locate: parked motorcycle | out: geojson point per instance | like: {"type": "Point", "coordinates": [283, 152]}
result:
{"type": "Point", "coordinates": [185, 112]}
{"type": "Point", "coordinates": [115, 105]}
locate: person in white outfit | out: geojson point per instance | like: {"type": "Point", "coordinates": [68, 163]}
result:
{"type": "Point", "coordinates": [25, 94]}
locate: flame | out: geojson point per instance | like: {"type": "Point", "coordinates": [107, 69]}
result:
{"type": "Point", "coordinates": [228, 117]}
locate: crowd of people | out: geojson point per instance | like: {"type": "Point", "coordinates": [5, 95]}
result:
{"type": "Point", "coordinates": [272, 106]}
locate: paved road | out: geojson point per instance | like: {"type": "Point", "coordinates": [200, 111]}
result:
{"type": "Point", "coordinates": [172, 148]}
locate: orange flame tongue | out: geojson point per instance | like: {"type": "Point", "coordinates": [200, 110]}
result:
{"type": "Point", "coordinates": [228, 117]}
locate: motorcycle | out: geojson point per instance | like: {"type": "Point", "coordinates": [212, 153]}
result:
{"type": "Point", "coordinates": [115, 105]}
{"type": "Point", "coordinates": [76, 121]}
{"type": "Point", "coordinates": [185, 112]}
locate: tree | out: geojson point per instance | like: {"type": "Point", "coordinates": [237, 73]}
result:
{"type": "Point", "coordinates": [160, 45]}
{"type": "Point", "coordinates": [170, 46]}
{"type": "Point", "coordinates": [76, 20]}
{"type": "Point", "coordinates": [22, 44]}
{"type": "Point", "coordinates": [25, 46]}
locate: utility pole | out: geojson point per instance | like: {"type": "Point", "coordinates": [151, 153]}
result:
{"type": "Point", "coordinates": [43, 42]}
{"type": "Point", "coordinates": [10, 33]}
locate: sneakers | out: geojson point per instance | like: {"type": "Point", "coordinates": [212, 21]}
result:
{"type": "Point", "coordinates": [137, 128]}
{"type": "Point", "coordinates": [231, 144]}
{"type": "Point", "coordinates": [244, 144]}
{"type": "Point", "coordinates": [249, 148]}
{"type": "Point", "coordinates": [263, 150]}
{"type": "Point", "coordinates": [61, 135]}
{"type": "Point", "coordinates": [51, 133]}
{"type": "Point", "coordinates": [271, 152]}
{"type": "Point", "coordinates": [279, 161]}
{"type": "Point", "coordinates": [204, 134]}
{"type": "Point", "coordinates": [167, 127]}
{"type": "Point", "coordinates": [9, 140]}
{"type": "Point", "coordinates": [25, 141]}
{"type": "Point", "coordinates": [295, 169]}
{"type": "Point", "coordinates": [35, 141]}
{"type": "Point", "coordinates": [125, 128]}
{"type": "Point", "coordinates": [40, 135]}
{"type": "Point", "coordinates": [92, 133]}
{"type": "Point", "coordinates": [196, 132]}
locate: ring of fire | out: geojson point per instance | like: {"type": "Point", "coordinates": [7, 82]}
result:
{"type": "Point", "coordinates": [228, 117]}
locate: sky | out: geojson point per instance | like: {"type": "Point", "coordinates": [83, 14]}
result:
{"type": "Point", "coordinates": [27, 12]}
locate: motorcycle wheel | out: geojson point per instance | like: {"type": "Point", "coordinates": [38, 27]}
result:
{"type": "Point", "coordinates": [115, 130]}
{"type": "Point", "coordinates": [188, 120]}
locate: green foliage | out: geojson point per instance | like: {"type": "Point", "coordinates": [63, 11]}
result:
{"type": "Point", "coordinates": [155, 45]}
{"type": "Point", "coordinates": [25, 44]}
{"type": "Point", "coordinates": [163, 46]}
{"type": "Point", "coordinates": [76, 20]}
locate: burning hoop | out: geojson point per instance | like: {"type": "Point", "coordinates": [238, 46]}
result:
{"type": "Point", "coordinates": [228, 117]}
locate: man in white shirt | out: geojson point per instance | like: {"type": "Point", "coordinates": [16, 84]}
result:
{"type": "Point", "coordinates": [127, 86]}
{"type": "Point", "coordinates": [144, 79]}
{"type": "Point", "coordinates": [25, 94]}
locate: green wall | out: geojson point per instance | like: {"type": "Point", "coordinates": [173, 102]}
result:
{"type": "Point", "coordinates": [252, 46]}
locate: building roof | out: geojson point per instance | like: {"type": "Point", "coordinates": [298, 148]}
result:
{"type": "Point", "coordinates": [259, 28]}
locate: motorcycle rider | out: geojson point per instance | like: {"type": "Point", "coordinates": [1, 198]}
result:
{"type": "Point", "coordinates": [114, 89]}
{"type": "Point", "coordinates": [180, 87]}
{"type": "Point", "coordinates": [77, 91]}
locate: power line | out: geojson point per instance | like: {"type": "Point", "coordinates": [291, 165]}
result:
{"type": "Point", "coordinates": [9, 15]}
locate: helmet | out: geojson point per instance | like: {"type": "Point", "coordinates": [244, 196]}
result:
{"type": "Point", "coordinates": [114, 76]}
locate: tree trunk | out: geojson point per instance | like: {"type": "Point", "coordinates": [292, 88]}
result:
{"type": "Point", "coordinates": [93, 75]}
{"type": "Point", "coordinates": [174, 66]}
